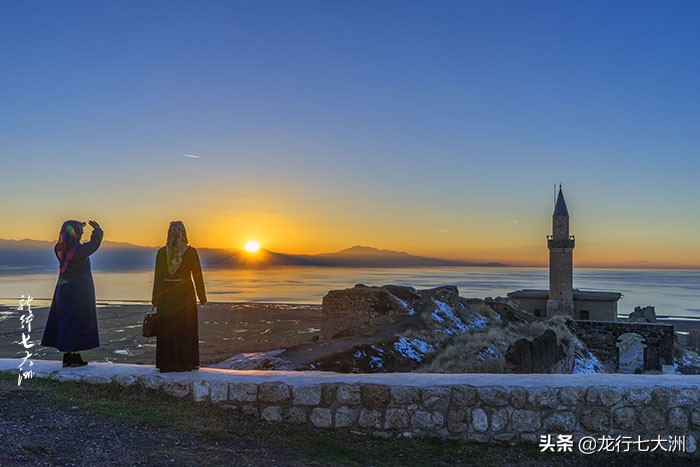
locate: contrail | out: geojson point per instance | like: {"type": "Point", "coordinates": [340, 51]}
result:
{"type": "Point", "coordinates": [192, 156]}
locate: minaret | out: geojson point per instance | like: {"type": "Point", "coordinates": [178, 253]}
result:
{"type": "Point", "coordinates": [561, 264]}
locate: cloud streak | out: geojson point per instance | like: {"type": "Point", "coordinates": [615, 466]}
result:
{"type": "Point", "coordinates": [192, 156]}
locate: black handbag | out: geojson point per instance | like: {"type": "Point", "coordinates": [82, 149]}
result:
{"type": "Point", "coordinates": [150, 324]}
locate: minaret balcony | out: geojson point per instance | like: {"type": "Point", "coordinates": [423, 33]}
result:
{"type": "Point", "coordinates": [553, 242]}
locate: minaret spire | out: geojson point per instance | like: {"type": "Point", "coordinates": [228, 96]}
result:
{"type": "Point", "coordinates": [561, 247]}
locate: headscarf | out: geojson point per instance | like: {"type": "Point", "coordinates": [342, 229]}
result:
{"type": "Point", "coordinates": [68, 241]}
{"type": "Point", "coordinates": [176, 245]}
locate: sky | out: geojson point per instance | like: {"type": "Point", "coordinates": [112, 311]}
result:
{"type": "Point", "coordinates": [437, 128]}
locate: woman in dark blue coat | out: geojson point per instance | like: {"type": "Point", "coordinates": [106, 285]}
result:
{"type": "Point", "coordinates": [72, 323]}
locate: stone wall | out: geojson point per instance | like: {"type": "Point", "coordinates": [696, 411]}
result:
{"type": "Point", "coordinates": [483, 408]}
{"type": "Point", "coordinates": [601, 338]}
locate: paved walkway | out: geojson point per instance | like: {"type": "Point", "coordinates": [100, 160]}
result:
{"type": "Point", "coordinates": [97, 372]}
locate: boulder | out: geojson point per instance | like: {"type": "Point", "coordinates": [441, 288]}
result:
{"type": "Point", "coordinates": [543, 354]}
{"type": "Point", "coordinates": [356, 311]}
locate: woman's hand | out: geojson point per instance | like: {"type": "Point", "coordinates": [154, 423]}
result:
{"type": "Point", "coordinates": [95, 225]}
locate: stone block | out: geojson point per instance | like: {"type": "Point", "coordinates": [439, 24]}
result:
{"type": "Point", "coordinates": [695, 419]}
{"type": "Point", "coordinates": [219, 391]}
{"type": "Point", "coordinates": [272, 413]}
{"type": "Point", "coordinates": [307, 395]}
{"type": "Point", "coordinates": [294, 415]}
{"type": "Point", "coordinates": [543, 398]}
{"type": "Point", "coordinates": [321, 417]}
{"type": "Point", "coordinates": [560, 422]}
{"type": "Point", "coordinates": [370, 419]}
{"type": "Point", "coordinates": [499, 420]}
{"type": "Point", "coordinates": [684, 397]}
{"type": "Point", "coordinates": [200, 390]}
{"type": "Point", "coordinates": [405, 395]}
{"type": "Point", "coordinates": [177, 388]}
{"type": "Point", "coordinates": [652, 418]}
{"type": "Point", "coordinates": [625, 419]}
{"type": "Point", "coordinates": [518, 398]}
{"type": "Point", "coordinates": [346, 417]}
{"type": "Point", "coordinates": [572, 396]}
{"type": "Point", "coordinates": [480, 420]}
{"type": "Point", "coordinates": [328, 394]}
{"type": "Point", "coordinates": [375, 396]}
{"type": "Point", "coordinates": [124, 380]}
{"type": "Point", "coordinates": [458, 420]}
{"type": "Point", "coordinates": [275, 393]}
{"type": "Point", "coordinates": [610, 396]}
{"type": "Point", "coordinates": [494, 396]}
{"type": "Point", "coordinates": [250, 410]}
{"type": "Point", "coordinates": [678, 420]}
{"type": "Point", "coordinates": [243, 392]}
{"type": "Point", "coordinates": [525, 421]}
{"type": "Point", "coordinates": [348, 394]}
{"type": "Point", "coordinates": [464, 396]}
{"type": "Point", "coordinates": [435, 398]}
{"type": "Point", "coordinates": [638, 396]}
{"type": "Point", "coordinates": [595, 419]}
{"type": "Point", "coordinates": [150, 382]}
{"type": "Point", "coordinates": [97, 379]}
{"type": "Point", "coordinates": [423, 420]}
{"type": "Point", "coordinates": [396, 419]}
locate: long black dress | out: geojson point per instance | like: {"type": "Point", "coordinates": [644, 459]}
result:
{"type": "Point", "coordinates": [72, 322]}
{"type": "Point", "coordinates": [177, 344]}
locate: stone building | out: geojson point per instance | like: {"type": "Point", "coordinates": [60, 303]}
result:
{"type": "Point", "coordinates": [561, 298]}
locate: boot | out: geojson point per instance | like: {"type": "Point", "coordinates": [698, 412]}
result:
{"type": "Point", "coordinates": [67, 359]}
{"type": "Point", "coordinates": [78, 361]}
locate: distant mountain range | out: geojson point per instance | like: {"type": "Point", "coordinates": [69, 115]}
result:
{"type": "Point", "coordinates": [123, 256]}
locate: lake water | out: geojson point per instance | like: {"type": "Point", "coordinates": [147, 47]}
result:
{"type": "Point", "coordinates": [673, 292]}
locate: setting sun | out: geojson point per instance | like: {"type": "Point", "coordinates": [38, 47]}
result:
{"type": "Point", "coordinates": [252, 247]}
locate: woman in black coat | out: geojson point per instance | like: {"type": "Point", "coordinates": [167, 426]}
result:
{"type": "Point", "coordinates": [72, 323]}
{"type": "Point", "coordinates": [177, 265]}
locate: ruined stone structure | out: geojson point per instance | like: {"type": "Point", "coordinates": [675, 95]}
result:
{"type": "Point", "coordinates": [562, 299]}
{"type": "Point", "coordinates": [602, 338]}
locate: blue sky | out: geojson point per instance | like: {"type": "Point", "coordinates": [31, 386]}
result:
{"type": "Point", "coordinates": [433, 127]}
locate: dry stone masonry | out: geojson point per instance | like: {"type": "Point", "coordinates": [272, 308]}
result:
{"type": "Point", "coordinates": [483, 408]}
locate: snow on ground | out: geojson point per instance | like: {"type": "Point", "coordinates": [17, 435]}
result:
{"type": "Point", "coordinates": [444, 312]}
{"type": "Point", "coordinates": [405, 304]}
{"type": "Point", "coordinates": [487, 354]}
{"type": "Point", "coordinates": [412, 348]}
{"type": "Point", "coordinates": [690, 359]}
{"type": "Point", "coordinates": [587, 364]}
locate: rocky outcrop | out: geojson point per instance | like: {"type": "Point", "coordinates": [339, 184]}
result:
{"type": "Point", "coordinates": [543, 354]}
{"type": "Point", "coordinates": [646, 314]}
{"type": "Point", "coordinates": [362, 309]}
{"type": "Point", "coordinates": [256, 361]}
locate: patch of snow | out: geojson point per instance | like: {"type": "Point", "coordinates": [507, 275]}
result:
{"type": "Point", "coordinates": [689, 359]}
{"type": "Point", "coordinates": [412, 348]}
{"type": "Point", "coordinates": [487, 354]}
{"type": "Point", "coordinates": [376, 362]}
{"type": "Point", "coordinates": [587, 364]}
{"type": "Point", "coordinates": [405, 304]}
{"type": "Point", "coordinates": [379, 350]}
{"type": "Point", "coordinates": [360, 354]}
